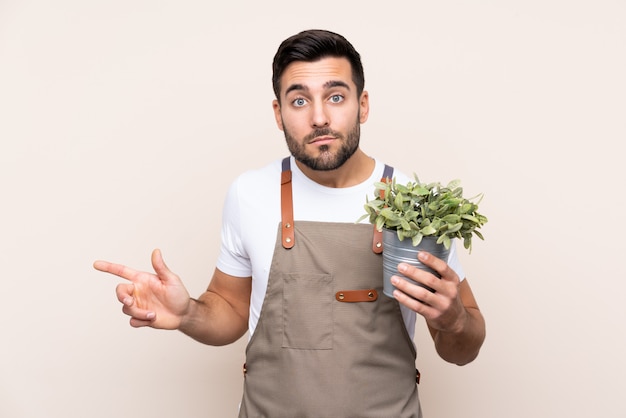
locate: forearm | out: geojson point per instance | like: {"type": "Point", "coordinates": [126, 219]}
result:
{"type": "Point", "coordinates": [212, 320]}
{"type": "Point", "coordinates": [462, 346]}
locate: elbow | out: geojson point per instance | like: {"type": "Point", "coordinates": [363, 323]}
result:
{"type": "Point", "coordinates": [463, 350]}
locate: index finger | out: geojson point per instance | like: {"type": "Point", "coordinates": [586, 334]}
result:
{"type": "Point", "coordinates": [116, 269]}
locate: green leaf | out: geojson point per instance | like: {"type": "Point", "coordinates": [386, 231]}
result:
{"type": "Point", "coordinates": [388, 213]}
{"type": "Point", "coordinates": [417, 238]}
{"type": "Point", "coordinates": [421, 191]}
{"type": "Point", "coordinates": [453, 184]}
{"type": "Point", "coordinates": [455, 227]}
{"type": "Point", "coordinates": [451, 218]}
{"type": "Point", "coordinates": [397, 203]}
{"type": "Point", "coordinates": [428, 230]}
{"type": "Point", "coordinates": [445, 240]}
{"type": "Point", "coordinates": [402, 189]}
{"type": "Point", "coordinates": [380, 223]}
{"type": "Point", "coordinates": [363, 218]}
{"type": "Point", "coordinates": [470, 218]}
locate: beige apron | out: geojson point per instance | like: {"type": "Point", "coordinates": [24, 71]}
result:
{"type": "Point", "coordinates": [326, 345]}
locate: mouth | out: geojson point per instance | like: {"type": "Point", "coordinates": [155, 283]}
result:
{"type": "Point", "coordinates": [322, 140]}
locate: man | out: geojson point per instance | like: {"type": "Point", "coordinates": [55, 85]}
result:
{"type": "Point", "coordinates": [300, 275]}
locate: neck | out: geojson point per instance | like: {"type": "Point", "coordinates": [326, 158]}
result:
{"type": "Point", "coordinates": [357, 169]}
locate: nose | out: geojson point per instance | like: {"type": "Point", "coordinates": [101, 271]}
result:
{"type": "Point", "coordinates": [319, 117]}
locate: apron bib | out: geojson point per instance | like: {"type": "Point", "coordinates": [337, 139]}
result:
{"type": "Point", "coordinates": [328, 343]}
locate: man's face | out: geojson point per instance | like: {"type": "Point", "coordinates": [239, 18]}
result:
{"type": "Point", "coordinates": [320, 112]}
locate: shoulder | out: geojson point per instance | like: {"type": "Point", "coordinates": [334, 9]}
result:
{"type": "Point", "coordinates": [255, 183]}
{"type": "Point", "coordinates": [401, 176]}
{"type": "Point", "coordinates": [255, 176]}
{"type": "Point", "coordinates": [253, 195]}
{"type": "Point", "coordinates": [397, 173]}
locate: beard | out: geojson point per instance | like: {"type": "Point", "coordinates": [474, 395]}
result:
{"type": "Point", "coordinates": [326, 160]}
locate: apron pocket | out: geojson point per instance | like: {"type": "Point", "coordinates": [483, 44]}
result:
{"type": "Point", "coordinates": [308, 311]}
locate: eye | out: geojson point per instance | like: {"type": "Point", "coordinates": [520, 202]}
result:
{"type": "Point", "coordinates": [299, 102]}
{"type": "Point", "coordinates": [336, 98]}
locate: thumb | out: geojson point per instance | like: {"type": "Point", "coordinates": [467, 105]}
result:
{"type": "Point", "coordinates": [162, 271]}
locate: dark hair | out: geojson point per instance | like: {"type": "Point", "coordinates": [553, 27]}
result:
{"type": "Point", "coordinates": [313, 45]}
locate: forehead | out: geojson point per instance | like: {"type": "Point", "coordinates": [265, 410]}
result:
{"type": "Point", "coordinates": [317, 74]}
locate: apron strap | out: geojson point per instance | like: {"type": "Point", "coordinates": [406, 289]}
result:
{"type": "Point", "coordinates": [377, 242]}
{"type": "Point", "coordinates": [286, 205]}
{"type": "Point", "coordinates": [286, 208]}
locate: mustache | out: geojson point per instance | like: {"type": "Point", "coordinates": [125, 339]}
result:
{"type": "Point", "coordinates": [322, 132]}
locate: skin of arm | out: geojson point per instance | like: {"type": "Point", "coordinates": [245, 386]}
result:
{"type": "Point", "coordinates": [454, 320]}
{"type": "Point", "coordinates": [159, 300]}
{"type": "Point", "coordinates": [220, 315]}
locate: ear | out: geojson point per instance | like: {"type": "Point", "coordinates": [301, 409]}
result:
{"type": "Point", "coordinates": [277, 116]}
{"type": "Point", "coordinates": [364, 106]}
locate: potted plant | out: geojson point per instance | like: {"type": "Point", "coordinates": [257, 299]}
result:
{"type": "Point", "coordinates": [421, 216]}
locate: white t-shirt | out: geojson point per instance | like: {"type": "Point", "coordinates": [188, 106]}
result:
{"type": "Point", "coordinates": [251, 216]}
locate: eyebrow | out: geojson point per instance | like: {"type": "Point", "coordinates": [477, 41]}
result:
{"type": "Point", "coordinates": [327, 85]}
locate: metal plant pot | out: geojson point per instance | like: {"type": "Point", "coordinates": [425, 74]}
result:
{"type": "Point", "coordinates": [396, 251]}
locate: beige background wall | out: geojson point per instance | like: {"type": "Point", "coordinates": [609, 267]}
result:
{"type": "Point", "coordinates": [123, 122]}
